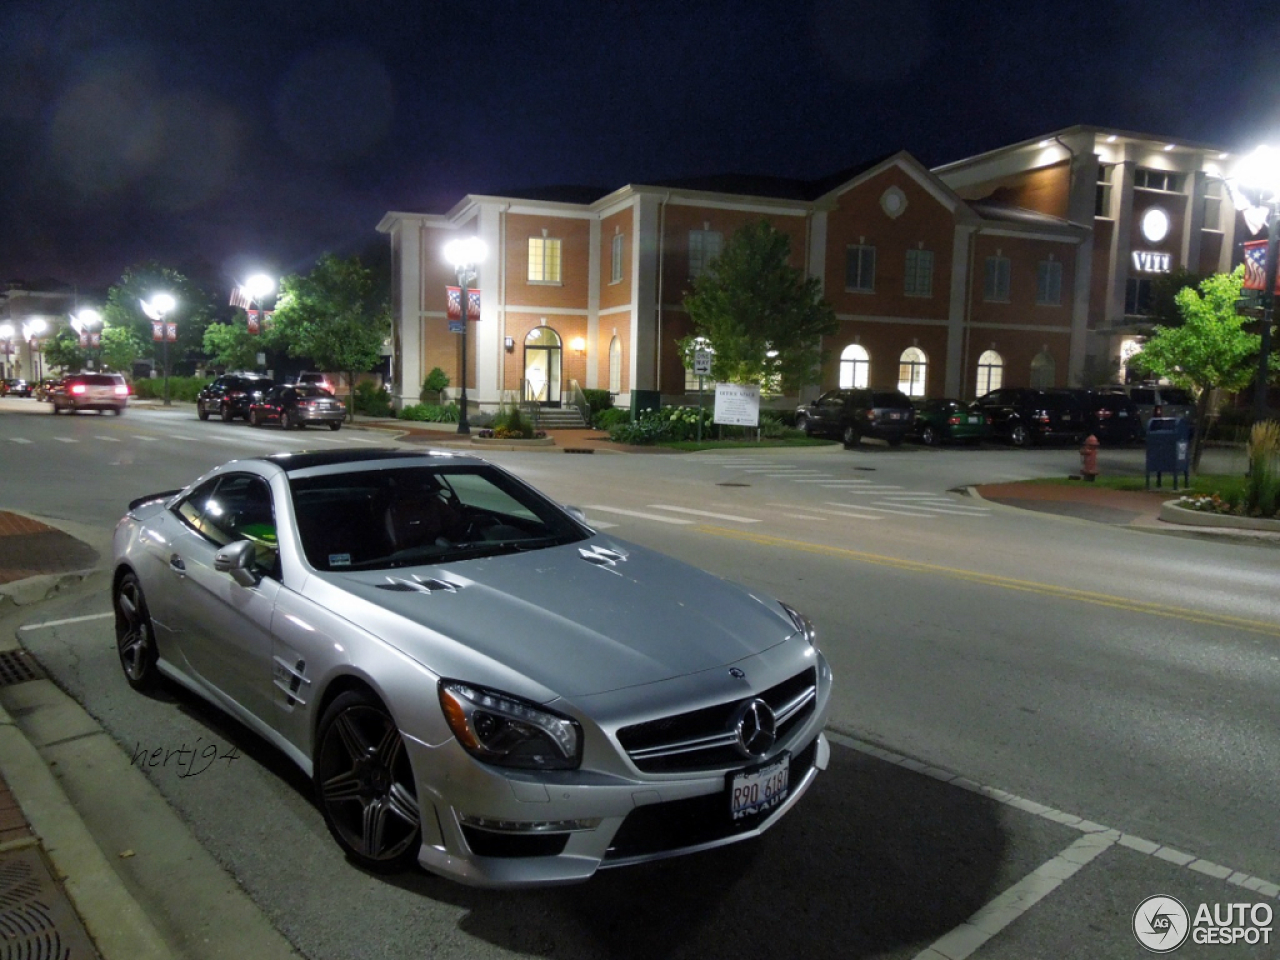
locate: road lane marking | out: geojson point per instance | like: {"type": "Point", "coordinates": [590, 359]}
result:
{"type": "Point", "coordinates": [637, 513]}
{"type": "Point", "coordinates": [830, 513]}
{"type": "Point", "coordinates": [703, 513]}
{"type": "Point", "coordinates": [108, 439]}
{"type": "Point", "coordinates": [19, 440]}
{"type": "Point", "coordinates": [997, 914]}
{"type": "Point", "coordinates": [1129, 604]}
{"type": "Point", "coordinates": [66, 440]}
{"type": "Point", "coordinates": [1097, 839]}
{"type": "Point", "coordinates": [60, 623]}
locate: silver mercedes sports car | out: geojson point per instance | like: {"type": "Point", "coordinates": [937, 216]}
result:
{"type": "Point", "coordinates": [472, 677]}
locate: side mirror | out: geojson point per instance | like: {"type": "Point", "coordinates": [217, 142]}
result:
{"type": "Point", "coordinates": [237, 559]}
{"type": "Point", "coordinates": [577, 514]}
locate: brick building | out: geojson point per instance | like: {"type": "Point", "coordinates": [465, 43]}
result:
{"type": "Point", "coordinates": [1011, 268]}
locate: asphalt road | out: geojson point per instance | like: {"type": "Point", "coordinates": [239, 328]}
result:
{"type": "Point", "coordinates": [1010, 685]}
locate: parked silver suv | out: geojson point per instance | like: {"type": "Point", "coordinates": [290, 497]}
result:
{"type": "Point", "coordinates": [90, 391]}
{"type": "Point", "coordinates": [1171, 401]}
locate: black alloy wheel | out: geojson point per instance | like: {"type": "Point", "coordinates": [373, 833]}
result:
{"type": "Point", "coordinates": [365, 784]}
{"type": "Point", "coordinates": [850, 436]}
{"type": "Point", "coordinates": [135, 637]}
{"type": "Point", "coordinates": [802, 423]}
{"type": "Point", "coordinates": [929, 436]}
{"type": "Point", "coordinates": [1019, 435]}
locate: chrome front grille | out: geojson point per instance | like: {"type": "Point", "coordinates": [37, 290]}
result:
{"type": "Point", "coordinates": [705, 739]}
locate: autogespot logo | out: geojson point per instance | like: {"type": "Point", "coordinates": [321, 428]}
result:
{"type": "Point", "coordinates": [1161, 924]}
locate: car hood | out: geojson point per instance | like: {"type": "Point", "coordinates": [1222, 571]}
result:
{"type": "Point", "coordinates": [579, 619]}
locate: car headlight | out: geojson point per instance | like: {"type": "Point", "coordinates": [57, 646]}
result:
{"type": "Point", "coordinates": [502, 730]}
{"type": "Point", "coordinates": [803, 624]}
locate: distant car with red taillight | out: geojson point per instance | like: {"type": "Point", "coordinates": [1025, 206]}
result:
{"type": "Point", "coordinates": [293, 407]}
{"type": "Point", "coordinates": [90, 391]}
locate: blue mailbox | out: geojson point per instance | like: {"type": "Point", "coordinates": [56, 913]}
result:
{"type": "Point", "coordinates": [1169, 449]}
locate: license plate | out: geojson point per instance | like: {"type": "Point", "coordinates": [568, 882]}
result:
{"type": "Point", "coordinates": [1122, 413]}
{"type": "Point", "coordinates": [975, 419]}
{"type": "Point", "coordinates": [894, 415]}
{"type": "Point", "coordinates": [753, 792]}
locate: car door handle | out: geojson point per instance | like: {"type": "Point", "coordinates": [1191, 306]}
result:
{"type": "Point", "coordinates": [176, 564]}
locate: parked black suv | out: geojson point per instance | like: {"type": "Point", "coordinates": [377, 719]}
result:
{"type": "Point", "coordinates": [1111, 416]}
{"type": "Point", "coordinates": [1024, 416]}
{"type": "Point", "coordinates": [849, 415]}
{"type": "Point", "coordinates": [230, 395]}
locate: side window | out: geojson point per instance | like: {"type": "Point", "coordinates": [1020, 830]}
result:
{"type": "Point", "coordinates": [234, 507]}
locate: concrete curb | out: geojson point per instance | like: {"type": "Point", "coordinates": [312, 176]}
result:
{"type": "Point", "coordinates": [118, 925]}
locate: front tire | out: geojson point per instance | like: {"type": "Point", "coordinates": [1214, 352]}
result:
{"type": "Point", "coordinates": [286, 421]}
{"type": "Point", "coordinates": [335, 425]}
{"type": "Point", "coordinates": [135, 636]}
{"type": "Point", "coordinates": [255, 418]}
{"type": "Point", "coordinates": [929, 436]}
{"type": "Point", "coordinates": [802, 423]}
{"type": "Point", "coordinates": [201, 412]}
{"type": "Point", "coordinates": [1019, 435]}
{"type": "Point", "coordinates": [365, 784]}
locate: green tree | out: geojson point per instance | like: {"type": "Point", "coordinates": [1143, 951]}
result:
{"type": "Point", "coordinates": [231, 345]}
{"type": "Point", "coordinates": [337, 315]}
{"type": "Point", "coordinates": [1165, 287]}
{"type": "Point", "coordinates": [764, 319]}
{"type": "Point", "coordinates": [63, 350]}
{"type": "Point", "coordinates": [193, 311]}
{"type": "Point", "coordinates": [1210, 348]}
{"type": "Point", "coordinates": [120, 348]}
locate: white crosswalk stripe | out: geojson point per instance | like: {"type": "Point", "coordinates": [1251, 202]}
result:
{"type": "Point", "coordinates": [637, 513]}
{"type": "Point", "coordinates": [703, 513]}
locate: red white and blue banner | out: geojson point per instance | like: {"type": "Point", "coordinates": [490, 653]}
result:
{"type": "Point", "coordinates": [454, 309]}
{"type": "Point", "coordinates": [1255, 266]}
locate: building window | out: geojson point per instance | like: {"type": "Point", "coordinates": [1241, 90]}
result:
{"type": "Point", "coordinates": [919, 276]}
{"type": "Point", "coordinates": [860, 268]}
{"type": "Point", "coordinates": [1137, 296]}
{"type": "Point", "coordinates": [1145, 179]}
{"type": "Point", "coordinates": [1102, 194]}
{"type": "Point", "coordinates": [704, 247]}
{"type": "Point", "coordinates": [990, 372]}
{"type": "Point", "coordinates": [615, 260]}
{"type": "Point", "coordinates": [1049, 283]}
{"type": "Point", "coordinates": [1213, 205]}
{"type": "Point", "coordinates": [911, 371]}
{"type": "Point", "coordinates": [996, 286]}
{"type": "Point", "coordinates": [544, 260]}
{"type": "Point", "coordinates": [1043, 371]}
{"type": "Point", "coordinates": [855, 367]}
{"type": "Point", "coordinates": [615, 365]}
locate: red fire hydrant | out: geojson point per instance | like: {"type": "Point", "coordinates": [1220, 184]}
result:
{"type": "Point", "coordinates": [1089, 458]}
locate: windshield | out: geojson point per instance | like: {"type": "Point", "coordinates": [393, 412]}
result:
{"type": "Point", "coordinates": [408, 516]}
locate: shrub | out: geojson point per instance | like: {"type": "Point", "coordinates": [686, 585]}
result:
{"type": "Point", "coordinates": [1262, 487]}
{"type": "Point", "coordinates": [431, 412]}
{"type": "Point", "coordinates": [180, 388]}
{"type": "Point", "coordinates": [610, 417]}
{"type": "Point", "coordinates": [436, 381]}
{"type": "Point", "coordinates": [597, 402]}
{"type": "Point", "coordinates": [372, 400]}
{"type": "Point", "coordinates": [659, 426]}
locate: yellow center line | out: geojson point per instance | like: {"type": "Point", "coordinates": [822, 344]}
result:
{"type": "Point", "coordinates": [995, 580]}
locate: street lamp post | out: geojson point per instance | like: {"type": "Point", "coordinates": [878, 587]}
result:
{"type": "Point", "coordinates": [1261, 171]}
{"type": "Point", "coordinates": [36, 328]}
{"type": "Point", "coordinates": [84, 322]}
{"type": "Point", "coordinates": [160, 305]}
{"type": "Point", "coordinates": [256, 290]}
{"type": "Point", "coordinates": [465, 255]}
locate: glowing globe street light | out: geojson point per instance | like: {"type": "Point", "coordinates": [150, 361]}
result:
{"type": "Point", "coordinates": [84, 322]}
{"type": "Point", "coordinates": [1260, 170]}
{"type": "Point", "coordinates": [157, 308]}
{"type": "Point", "coordinates": [465, 255]}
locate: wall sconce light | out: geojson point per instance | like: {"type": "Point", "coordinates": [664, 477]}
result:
{"type": "Point", "coordinates": [509, 343]}
{"type": "Point", "coordinates": [578, 345]}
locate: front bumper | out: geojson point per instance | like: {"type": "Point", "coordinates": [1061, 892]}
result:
{"type": "Point", "coordinates": [488, 827]}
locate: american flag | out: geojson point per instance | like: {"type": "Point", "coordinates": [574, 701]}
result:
{"type": "Point", "coordinates": [1255, 265]}
{"type": "Point", "coordinates": [454, 310]}
{"type": "Point", "coordinates": [239, 298]}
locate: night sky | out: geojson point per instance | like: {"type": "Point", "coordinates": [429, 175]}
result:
{"type": "Point", "coordinates": [262, 134]}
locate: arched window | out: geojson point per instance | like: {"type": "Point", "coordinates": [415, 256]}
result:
{"type": "Point", "coordinates": [990, 372]}
{"type": "Point", "coordinates": [855, 366]}
{"type": "Point", "coordinates": [615, 366]}
{"type": "Point", "coordinates": [911, 372]}
{"type": "Point", "coordinates": [1043, 371]}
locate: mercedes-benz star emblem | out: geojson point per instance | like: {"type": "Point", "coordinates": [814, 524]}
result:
{"type": "Point", "coordinates": [756, 727]}
{"type": "Point", "coordinates": [737, 673]}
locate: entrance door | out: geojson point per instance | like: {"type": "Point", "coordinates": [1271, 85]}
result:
{"type": "Point", "coordinates": [542, 367]}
